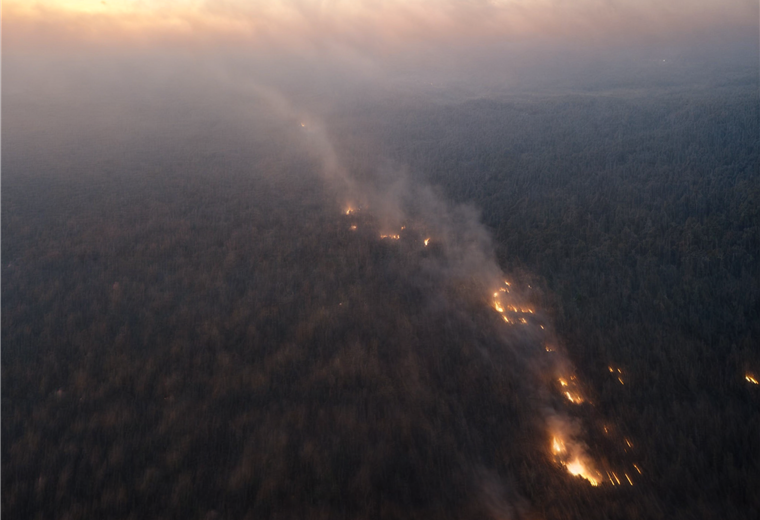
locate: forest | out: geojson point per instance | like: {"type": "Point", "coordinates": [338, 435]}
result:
{"type": "Point", "coordinates": [201, 330]}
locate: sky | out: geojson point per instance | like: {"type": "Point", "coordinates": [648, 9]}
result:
{"type": "Point", "coordinates": [372, 27]}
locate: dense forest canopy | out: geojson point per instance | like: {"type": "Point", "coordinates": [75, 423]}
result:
{"type": "Point", "coordinates": [290, 293]}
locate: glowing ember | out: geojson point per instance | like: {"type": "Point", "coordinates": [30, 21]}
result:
{"type": "Point", "coordinates": [629, 479]}
{"type": "Point", "coordinates": [498, 307]}
{"type": "Point", "coordinates": [427, 240]}
{"type": "Point", "coordinates": [637, 468]}
{"type": "Point", "coordinates": [562, 382]}
{"type": "Point", "coordinates": [557, 446]}
{"type": "Point", "coordinates": [611, 369]}
{"type": "Point", "coordinates": [349, 210]}
{"type": "Point", "coordinates": [621, 381]}
{"type": "Point", "coordinates": [751, 379]}
{"type": "Point", "coordinates": [303, 125]}
{"type": "Point", "coordinates": [352, 228]}
{"type": "Point", "coordinates": [573, 398]}
{"type": "Point", "coordinates": [392, 237]}
{"type": "Point", "coordinates": [577, 468]}
{"type": "Point", "coordinates": [629, 443]}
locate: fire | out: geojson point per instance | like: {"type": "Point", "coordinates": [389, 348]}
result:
{"type": "Point", "coordinates": [353, 228]}
{"type": "Point", "coordinates": [637, 468]}
{"type": "Point", "coordinates": [578, 469]}
{"type": "Point", "coordinates": [621, 381]}
{"type": "Point", "coordinates": [303, 125]}
{"type": "Point", "coordinates": [573, 398]}
{"type": "Point", "coordinates": [427, 240]}
{"type": "Point", "coordinates": [751, 379]}
{"type": "Point", "coordinates": [349, 210]}
{"type": "Point", "coordinates": [562, 382]}
{"type": "Point", "coordinates": [392, 237]}
{"type": "Point", "coordinates": [629, 479]}
{"type": "Point", "coordinates": [557, 446]}
{"type": "Point", "coordinates": [498, 307]}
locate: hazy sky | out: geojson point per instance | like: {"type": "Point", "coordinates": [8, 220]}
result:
{"type": "Point", "coordinates": [388, 26]}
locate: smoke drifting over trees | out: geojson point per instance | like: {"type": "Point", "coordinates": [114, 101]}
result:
{"type": "Point", "coordinates": [517, 281]}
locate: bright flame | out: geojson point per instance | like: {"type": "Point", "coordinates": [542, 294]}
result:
{"type": "Point", "coordinates": [557, 446]}
{"type": "Point", "coordinates": [498, 307]}
{"type": "Point", "coordinates": [578, 469]}
{"type": "Point", "coordinates": [349, 210]}
{"type": "Point", "coordinates": [751, 379]}
{"type": "Point", "coordinates": [573, 398]}
{"type": "Point", "coordinates": [562, 382]}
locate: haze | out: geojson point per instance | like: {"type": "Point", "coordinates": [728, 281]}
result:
{"type": "Point", "coordinates": [456, 259]}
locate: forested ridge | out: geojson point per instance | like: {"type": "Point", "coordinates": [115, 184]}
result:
{"type": "Point", "coordinates": [206, 337]}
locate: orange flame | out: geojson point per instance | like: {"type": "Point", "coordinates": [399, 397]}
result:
{"type": "Point", "coordinates": [751, 379]}
{"type": "Point", "coordinates": [578, 469]}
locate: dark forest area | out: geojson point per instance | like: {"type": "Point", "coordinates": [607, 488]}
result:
{"type": "Point", "coordinates": [200, 334]}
